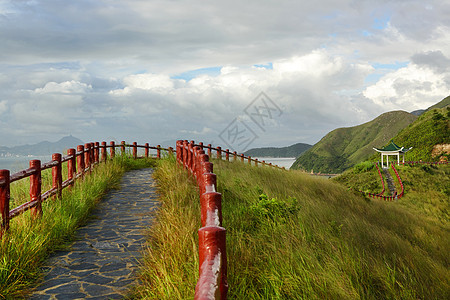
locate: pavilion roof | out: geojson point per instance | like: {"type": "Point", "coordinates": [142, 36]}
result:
{"type": "Point", "coordinates": [392, 147]}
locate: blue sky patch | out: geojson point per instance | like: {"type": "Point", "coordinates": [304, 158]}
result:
{"type": "Point", "coordinates": [268, 66]}
{"type": "Point", "coordinates": [212, 71]}
{"type": "Point", "coordinates": [395, 66]}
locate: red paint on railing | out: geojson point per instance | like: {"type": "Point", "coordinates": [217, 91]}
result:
{"type": "Point", "coordinates": [84, 159]}
{"type": "Point", "coordinates": [212, 282]}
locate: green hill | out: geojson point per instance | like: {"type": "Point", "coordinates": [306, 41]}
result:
{"type": "Point", "coordinates": [295, 236]}
{"type": "Point", "coordinates": [344, 147]}
{"type": "Point", "coordinates": [430, 129]}
{"type": "Point", "coordinates": [290, 151]}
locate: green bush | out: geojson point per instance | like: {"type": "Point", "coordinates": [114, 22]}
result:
{"type": "Point", "coordinates": [273, 209]}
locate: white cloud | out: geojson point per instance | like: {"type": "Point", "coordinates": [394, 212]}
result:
{"type": "Point", "coordinates": [3, 106]}
{"type": "Point", "coordinates": [108, 67]}
{"type": "Point", "coordinates": [66, 87]}
{"type": "Point", "coordinates": [409, 88]}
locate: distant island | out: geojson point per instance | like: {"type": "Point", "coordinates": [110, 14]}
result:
{"type": "Point", "coordinates": [42, 148]}
{"type": "Point", "coordinates": [290, 151]}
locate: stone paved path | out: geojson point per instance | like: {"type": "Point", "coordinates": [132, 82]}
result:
{"type": "Point", "coordinates": [389, 180]}
{"type": "Point", "coordinates": [102, 262]}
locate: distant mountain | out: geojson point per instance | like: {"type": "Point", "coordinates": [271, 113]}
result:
{"type": "Point", "coordinates": [42, 148]}
{"type": "Point", "coordinates": [418, 112]}
{"type": "Point", "coordinates": [344, 147]}
{"type": "Point", "coordinates": [290, 151]}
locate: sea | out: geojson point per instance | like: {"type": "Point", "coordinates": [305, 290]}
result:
{"type": "Point", "coordinates": [280, 161]}
{"type": "Point", "coordinates": [18, 163]}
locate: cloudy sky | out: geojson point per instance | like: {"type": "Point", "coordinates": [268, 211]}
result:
{"type": "Point", "coordinates": [242, 73]}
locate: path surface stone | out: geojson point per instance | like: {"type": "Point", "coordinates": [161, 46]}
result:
{"type": "Point", "coordinates": [102, 262]}
{"type": "Point", "coordinates": [389, 180]}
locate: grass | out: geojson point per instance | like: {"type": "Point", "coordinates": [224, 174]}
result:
{"type": "Point", "coordinates": [427, 188]}
{"type": "Point", "coordinates": [170, 267]}
{"type": "Point", "coordinates": [30, 241]}
{"type": "Point", "coordinates": [427, 191]}
{"type": "Point", "coordinates": [291, 236]}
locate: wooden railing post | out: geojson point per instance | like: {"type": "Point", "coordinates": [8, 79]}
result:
{"type": "Point", "coordinates": [179, 151]}
{"type": "Point", "coordinates": [147, 147]}
{"type": "Point", "coordinates": [190, 156]}
{"type": "Point", "coordinates": [4, 200]}
{"type": "Point", "coordinates": [209, 150]}
{"type": "Point", "coordinates": [71, 164]}
{"type": "Point", "coordinates": [212, 248]}
{"type": "Point", "coordinates": [104, 155]}
{"type": "Point", "coordinates": [242, 157]}
{"type": "Point", "coordinates": [87, 156]}
{"type": "Point", "coordinates": [80, 159]}
{"type": "Point", "coordinates": [158, 152]}
{"type": "Point", "coordinates": [57, 175]}
{"type": "Point", "coordinates": [92, 154]}
{"type": "Point", "coordinates": [234, 156]}
{"type": "Point", "coordinates": [185, 153]}
{"type": "Point", "coordinates": [122, 147]}
{"type": "Point", "coordinates": [227, 154]}
{"type": "Point", "coordinates": [96, 152]}
{"type": "Point", "coordinates": [250, 160]}
{"type": "Point", "coordinates": [112, 150]}
{"type": "Point", "coordinates": [256, 162]}
{"type": "Point", "coordinates": [219, 153]}
{"type": "Point", "coordinates": [170, 151]}
{"type": "Point", "coordinates": [200, 145]}
{"type": "Point", "coordinates": [135, 150]}
{"type": "Point", "coordinates": [35, 187]}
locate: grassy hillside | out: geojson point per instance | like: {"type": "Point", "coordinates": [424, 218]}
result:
{"type": "Point", "coordinates": [344, 147]}
{"type": "Point", "coordinates": [290, 151]}
{"type": "Point", "coordinates": [427, 188]}
{"type": "Point", "coordinates": [291, 236]}
{"type": "Point", "coordinates": [430, 129]}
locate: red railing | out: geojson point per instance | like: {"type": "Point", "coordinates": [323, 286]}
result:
{"type": "Point", "coordinates": [220, 153]}
{"type": "Point", "coordinates": [380, 195]}
{"type": "Point", "coordinates": [212, 282]}
{"type": "Point", "coordinates": [79, 163]}
{"type": "Point", "coordinates": [424, 163]}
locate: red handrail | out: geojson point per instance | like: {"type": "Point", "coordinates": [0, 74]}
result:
{"type": "Point", "coordinates": [212, 282]}
{"type": "Point", "coordinates": [83, 160]}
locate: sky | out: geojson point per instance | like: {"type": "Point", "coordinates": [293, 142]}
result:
{"type": "Point", "coordinates": [239, 74]}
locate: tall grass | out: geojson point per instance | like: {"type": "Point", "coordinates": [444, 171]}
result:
{"type": "Point", "coordinates": [290, 236]}
{"type": "Point", "coordinates": [29, 241]}
{"type": "Point", "coordinates": [170, 267]}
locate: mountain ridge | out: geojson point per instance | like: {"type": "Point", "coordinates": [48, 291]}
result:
{"type": "Point", "coordinates": [290, 151]}
{"type": "Point", "coordinates": [42, 148]}
{"type": "Point", "coordinates": [342, 148]}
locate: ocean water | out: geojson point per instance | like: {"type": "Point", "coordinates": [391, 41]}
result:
{"type": "Point", "coordinates": [280, 161]}
{"type": "Point", "coordinates": [18, 163]}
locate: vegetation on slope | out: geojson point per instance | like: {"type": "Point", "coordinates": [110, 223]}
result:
{"type": "Point", "coordinates": [291, 236]}
{"type": "Point", "coordinates": [290, 151]}
{"type": "Point", "coordinates": [427, 188]}
{"type": "Point", "coordinates": [344, 147]}
{"type": "Point", "coordinates": [430, 129]}
{"type": "Point", "coordinates": [29, 242]}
